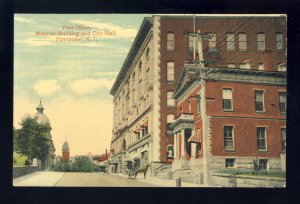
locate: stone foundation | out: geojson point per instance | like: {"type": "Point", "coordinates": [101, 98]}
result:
{"type": "Point", "coordinates": [227, 180]}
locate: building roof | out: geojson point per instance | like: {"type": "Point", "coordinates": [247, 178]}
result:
{"type": "Point", "coordinates": [138, 41]}
{"type": "Point", "coordinates": [42, 118]}
{"type": "Point", "coordinates": [65, 146]}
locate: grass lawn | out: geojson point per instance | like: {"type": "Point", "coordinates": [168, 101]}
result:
{"type": "Point", "coordinates": [20, 160]}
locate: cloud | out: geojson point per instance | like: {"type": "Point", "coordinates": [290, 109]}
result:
{"type": "Point", "coordinates": [80, 119]}
{"type": "Point", "coordinates": [34, 42]}
{"type": "Point", "coordinates": [122, 32]}
{"type": "Point", "coordinates": [46, 87]}
{"type": "Point", "coordinates": [107, 74]}
{"type": "Point", "coordinates": [84, 86]}
{"type": "Point", "coordinates": [22, 20]}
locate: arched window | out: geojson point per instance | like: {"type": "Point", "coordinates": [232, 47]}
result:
{"type": "Point", "coordinates": [147, 54]}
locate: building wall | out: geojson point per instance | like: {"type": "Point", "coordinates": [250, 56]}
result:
{"type": "Point", "coordinates": [219, 26]}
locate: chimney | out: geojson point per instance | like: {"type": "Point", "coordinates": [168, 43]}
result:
{"type": "Point", "coordinates": [267, 60]}
{"type": "Point", "coordinates": [106, 151]}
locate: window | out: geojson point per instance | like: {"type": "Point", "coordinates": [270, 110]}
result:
{"type": "Point", "coordinates": [260, 41]}
{"type": "Point", "coordinates": [245, 65]}
{"type": "Point", "coordinates": [282, 67]}
{"type": "Point", "coordinates": [170, 101]}
{"type": "Point", "coordinates": [170, 153]}
{"type": "Point", "coordinates": [229, 163]}
{"type": "Point", "coordinates": [140, 70]}
{"type": "Point", "coordinates": [230, 42]}
{"type": "Point", "coordinates": [170, 41]}
{"type": "Point", "coordinates": [212, 42]}
{"type": "Point", "coordinates": [263, 163]}
{"type": "Point", "coordinates": [190, 106]}
{"type": "Point", "coordinates": [170, 71]}
{"type": "Point", "coordinates": [279, 41]}
{"type": "Point", "coordinates": [198, 105]}
{"type": "Point", "coordinates": [228, 138]}
{"type": "Point", "coordinates": [191, 44]}
{"type": "Point", "coordinates": [283, 139]}
{"type": "Point", "coordinates": [231, 65]}
{"type": "Point", "coordinates": [282, 102]}
{"type": "Point", "coordinates": [227, 99]}
{"type": "Point", "coordinates": [261, 66]}
{"type": "Point", "coordinates": [147, 55]}
{"type": "Point", "coordinates": [242, 42]}
{"type": "Point", "coordinates": [261, 138]}
{"type": "Point", "coordinates": [170, 118]}
{"type": "Point", "coordinates": [259, 101]}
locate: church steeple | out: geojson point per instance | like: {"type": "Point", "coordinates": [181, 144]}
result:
{"type": "Point", "coordinates": [40, 107]}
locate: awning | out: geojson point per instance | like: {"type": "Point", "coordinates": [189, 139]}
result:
{"type": "Point", "coordinates": [196, 137]}
{"type": "Point", "coordinates": [145, 124]}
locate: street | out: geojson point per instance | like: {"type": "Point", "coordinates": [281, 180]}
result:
{"type": "Point", "coordinates": [76, 179]}
{"type": "Point", "coordinates": [95, 179]}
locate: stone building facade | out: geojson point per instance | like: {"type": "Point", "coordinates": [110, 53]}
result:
{"type": "Point", "coordinates": [144, 109]}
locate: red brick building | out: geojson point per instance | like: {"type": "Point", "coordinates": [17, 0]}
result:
{"type": "Point", "coordinates": [256, 44]}
{"type": "Point", "coordinates": [65, 152]}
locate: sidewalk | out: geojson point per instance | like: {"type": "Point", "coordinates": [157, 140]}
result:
{"type": "Point", "coordinates": [158, 182]}
{"type": "Point", "coordinates": [39, 178]}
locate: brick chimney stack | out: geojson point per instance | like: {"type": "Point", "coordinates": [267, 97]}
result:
{"type": "Point", "coordinates": [267, 60]}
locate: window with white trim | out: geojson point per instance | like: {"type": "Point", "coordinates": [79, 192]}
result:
{"type": "Point", "coordinates": [231, 65]}
{"type": "Point", "coordinates": [170, 71]}
{"type": "Point", "coordinates": [282, 67]}
{"type": "Point", "coordinates": [261, 66]}
{"type": "Point", "coordinates": [170, 151]}
{"type": "Point", "coordinates": [282, 102]}
{"type": "Point", "coordinates": [259, 100]}
{"type": "Point", "coordinates": [170, 118]}
{"type": "Point", "coordinates": [170, 100]}
{"type": "Point", "coordinates": [230, 42]}
{"type": "Point", "coordinates": [170, 41]}
{"type": "Point", "coordinates": [229, 162]}
{"type": "Point", "coordinates": [190, 106]}
{"type": "Point", "coordinates": [263, 163]}
{"type": "Point", "coordinates": [212, 42]}
{"type": "Point", "coordinates": [242, 42]}
{"type": "Point", "coordinates": [261, 139]}
{"type": "Point", "coordinates": [191, 44]}
{"type": "Point", "coordinates": [228, 138]}
{"type": "Point", "coordinates": [198, 105]}
{"type": "Point", "coordinates": [227, 99]}
{"type": "Point", "coordinates": [283, 139]}
{"type": "Point", "coordinates": [261, 42]}
{"type": "Point", "coordinates": [279, 41]}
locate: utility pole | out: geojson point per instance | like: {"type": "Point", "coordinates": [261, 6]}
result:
{"type": "Point", "coordinates": [202, 78]}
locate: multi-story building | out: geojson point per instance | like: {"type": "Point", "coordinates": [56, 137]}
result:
{"type": "Point", "coordinates": [144, 109]}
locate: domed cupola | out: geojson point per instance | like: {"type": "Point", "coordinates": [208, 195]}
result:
{"type": "Point", "coordinates": [65, 147]}
{"type": "Point", "coordinates": [41, 117]}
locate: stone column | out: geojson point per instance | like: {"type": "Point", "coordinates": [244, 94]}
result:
{"type": "Point", "coordinates": [193, 146]}
{"type": "Point", "coordinates": [175, 146]}
{"type": "Point", "coordinates": [182, 143]}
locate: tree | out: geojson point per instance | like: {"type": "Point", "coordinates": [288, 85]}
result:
{"type": "Point", "coordinates": [83, 164]}
{"type": "Point", "coordinates": [33, 139]}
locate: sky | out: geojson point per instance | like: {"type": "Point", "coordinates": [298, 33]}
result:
{"type": "Point", "coordinates": [71, 78]}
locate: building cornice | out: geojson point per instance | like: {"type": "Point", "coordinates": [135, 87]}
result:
{"type": "Point", "coordinates": [141, 35]}
{"type": "Point", "coordinates": [232, 75]}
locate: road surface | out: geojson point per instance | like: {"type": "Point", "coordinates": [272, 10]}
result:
{"type": "Point", "coordinates": [77, 179]}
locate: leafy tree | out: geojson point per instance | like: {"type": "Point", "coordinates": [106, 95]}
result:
{"type": "Point", "coordinates": [83, 164]}
{"type": "Point", "coordinates": [33, 139]}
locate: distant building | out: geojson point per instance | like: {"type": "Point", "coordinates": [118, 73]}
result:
{"type": "Point", "coordinates": [65, 152]}
{"type": "Point", "coordinates": [144, 109]}
{"type": "Point", "coordinates": [42, 118]}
